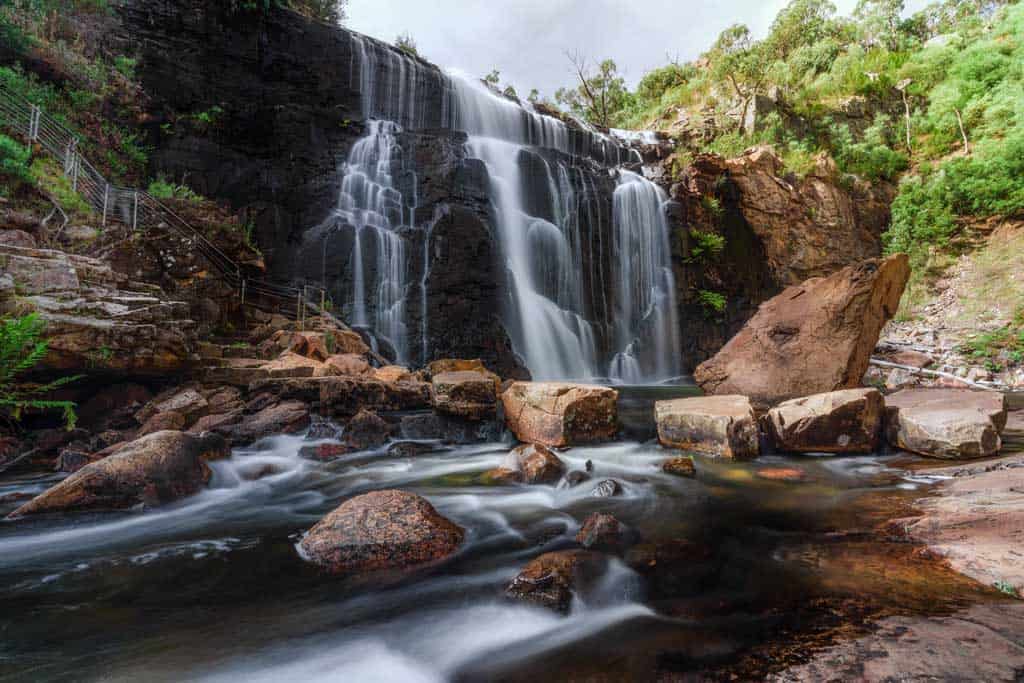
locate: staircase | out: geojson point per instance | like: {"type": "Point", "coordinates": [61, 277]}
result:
{"type": "Point", "coordinates": [139, 210]}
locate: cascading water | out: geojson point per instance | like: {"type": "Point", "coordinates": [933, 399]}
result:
{"type": "Point", "coordinates": [578, 304]}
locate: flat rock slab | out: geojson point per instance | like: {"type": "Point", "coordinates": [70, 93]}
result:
{"type": "Point", "coordinates": [715, 425]}
{"type": "Point", "coordinates": [847, 421]}
{"type": "Point", "coordinates": [560, 414]}
{"type": "Point", "coordinates": [946, 423]}
{"type": "Point", "coordinates": [469, 394]}
{"type": "Point", "coordinates": [982, 643]}
{"type": "Point", "coordinates": [381, 530]}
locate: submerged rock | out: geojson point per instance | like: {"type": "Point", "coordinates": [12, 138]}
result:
{"type": "Point", "coordinates": [814, 337]}
{"type": "Point", "coordinates": [782, 474]}
{"type": "Point", "coordinates": [681, 467]}
{"type": "Point", "coordinates": [718, 425]}
{"type": "Point", "coordinates": [560, 414]}
{"type": "Point", "coordinates": [847, 421]}
{"type": "Point", "coordinates": [154, 470]}
{"type": "Point", "coordinates": [946, 423]}
{"type": "Point", "coordinates": [601, 532]}
{"type": "Point", "coordinates": [529, 464]}
{"type": "Point", "coordinates": [607, 489]}
{"type": "Point", "coordinates": [380, 530]}
{"type": "Point", "coordinates": [550, 580]}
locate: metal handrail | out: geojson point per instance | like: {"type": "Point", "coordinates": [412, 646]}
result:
{"type": "Point", "coordinates": [139, 209]}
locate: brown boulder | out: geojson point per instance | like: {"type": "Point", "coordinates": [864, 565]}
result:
{"type": "Point", "coordinates": [393, 373]}
{"type": "Point", "coordinates": [600, 532]}
{"type": "Point", "coordinates": [551, 579]}
{"type": "Point", "coordinates": [287, 417]}
{"type": "Point", "coordinates": [848, 421]}
{"type": "Point", "coordinates": [717, 425]}
{"type": "Point", "coordinates": [529, 464]}
{"type": "Point", "coordinates": [344, 364]}
{"type": "Point", "coordinates": [468, 394]}
{"type": "Point", "coordinates": [154, 470]}
{"type": "Point", "coordinates": [163, 421]}
{"type": "Point", "coordinates": [946, 423]}
{"type": "Point", "coordinates": [366, 430]}
{"type": "Point", "coordinates": [814, 337]}
{"type": "Point", "coordinates": [560, 414]}
{"type": "Point", "coordinates": [380, 530]}
{"type": "Point", "coordinates": [681, 467]}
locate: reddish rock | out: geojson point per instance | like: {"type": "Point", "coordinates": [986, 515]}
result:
{"type": "Point", "coordinates": [380, 530]}
{"type": "Point", "coordinates": [393, 373]}
{"type": "Point", "coordinates": [502, 476]}
{"type": "Point", "coordinates": [560, 414]}
{"type": "Point", "coordinates": [717, 425]}
{"type": "Point", "coordinates": [782, 474]}
{"type": "Point", "coordinates": [324, 451]}
{"type": "Point", "coordinates": [681, 467]}
{"type": "Point", "coordinates": [848, 421]}
{"type": "Point", "coordinates": [287, 417]}
{"type": "Point", "coordinates": [154, 470]}
{"type": "Point", "coordinates": [550, 580]}
{"type": "Point", "coordinates": [163, 421]}
{"type": "Point", "coordinates": [600, 532]}
{"type": "Point", "coordinates": [814, 337]}
{"type": "Point", "coordinates": [290, 364]}
{"type": "Point", "coordinates": [345, 364]}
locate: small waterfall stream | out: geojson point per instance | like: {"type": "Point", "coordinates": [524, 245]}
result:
{"type": "Point", "coordinates": [583, 297]}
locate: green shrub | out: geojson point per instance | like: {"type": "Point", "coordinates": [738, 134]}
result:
{"type": "Point", "coordinates": [161, 188]}
{"type": "Point", "coordinates": [22, 347]}
{"type": "Point", "coordinates": [14, 165]}
{"type": "Point", "coordinates": [712, 302]}
{"type": "Point", "coordinates": [706, 246]}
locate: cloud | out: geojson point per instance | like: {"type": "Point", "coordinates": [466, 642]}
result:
{"type": "Point", "coordinates": [527, 39]}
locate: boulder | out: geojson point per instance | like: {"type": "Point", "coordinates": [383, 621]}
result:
{"type": "Point", "coordinates": [167, 420]}
{"type": "Point", "coordinates": [550, 580]}
{"type": "Point", "coordinates": [393, 373]}
{"type": "Point", "coordinates": [814, 337]}
{"type": "Point", "coordinates": [290, 364]}
{"type": "Point", "coordinates": [608, 488]}
{"type": "Point", "coordinates": [324, 451]}
{"type": "Point", "coordinates": [154, 470]}
{"type": "Point", "coordinates": [681, 467]}
{"type": "Point", "coordinates": [467, 393]}
{"type": "Point", "coordinates": [287, 417]}
{"type": "Point", "coordinates": [716, 425]}
{"type": "Point", "coordinates": [600, 532]}
{"type": "Point", "coordinates": [380, 530]}
{"type": "Point", "coordinates": [366, 430]}
{"type": "Point", "coordinates": [529, 464]}
{"type": "Point", "coordinates": [344, 364]}
{"type": "Point", "coordinates": [560, 414]}
{"type": "Point", "coordinates": [848, 421]}
{"type": "Point", "coordinates": [946, 423]}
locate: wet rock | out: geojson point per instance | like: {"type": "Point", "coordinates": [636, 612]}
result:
{"type": "Point", "coordinates": [71, 460]}
{"type": "Point", "coordinates": [717, 425]}
{"type": "Point", "coordinates": [154, 470]}
{"type": "Point", "coordinates": [538, 464]}
{"type": "Point", "coordinates": [408, 449]}
{"type": "Point", "coordinates": [322, 429]}
{"type": "Point", "coordinates": [791, 474]}
{"type": "Point", "coordinates": [607, 489]}
{"type": "Point", "coordinates": [212, 423]}
{"type": "Point", "coordinates": [946, 423]}
{"type": "Point", "coordinates": [366, 430]}
{"type": "Point", "coordinates": [681, 467]}
{"type": "Point", "coordinates": [814, 337]}
{"type": "Point", "coordinates": [502, 476]}
{"type": "Point", "coordinates": [601, 532]}
{"type": "Point", "coordinates": [560, 414]}
{"type": "Point", "coordinates": [393, 373]}
{"type": "Point", "coordinates": [847, 421]}
{"type": "Point", "coordinates": [550, 580]}
{"type": "Point", "coordinates": [466, 394]}
{"type": "Point", "coordinates": [448, 429]}
{"type": "Point", "coordinates": [573, 479]}
{"type": "Point", "coordinates": [380, 530]}
{"type": "Point", "coordinates": [324, 451]}
{"type": "Point", "coordinates": [287, 417]}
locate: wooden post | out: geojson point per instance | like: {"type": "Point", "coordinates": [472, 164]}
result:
{"type": "Point", "coordinates": [135, 211]}
{"type": "Point", "coordinates": [106, 199]}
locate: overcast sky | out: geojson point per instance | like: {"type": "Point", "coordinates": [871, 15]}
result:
{"type": "Point", "coordinates": [526, 39]}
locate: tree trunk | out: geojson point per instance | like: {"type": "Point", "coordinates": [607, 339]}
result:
{"type": "Point", "coordinates": [963, 133]}
{"type": "Point", "coordinates": [906, 108]}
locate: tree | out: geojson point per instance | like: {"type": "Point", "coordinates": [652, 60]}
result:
{"type": "Point", "coordinates": [737, 58]}
{"type": "Point", "coordinates": [600, 93]}
{"type": "Point", "coordinates": [406, 44]}
{"type": "Point", "coordinates": [332, 11]}
{"type": "Point", "coordinates": [534, 96]}
{"type": "Point", "coordinates": [492, 79]}
{"type": "Point", "coordinates": [801, 22]}
{"type": "Point", "coordinates": [879, 22]}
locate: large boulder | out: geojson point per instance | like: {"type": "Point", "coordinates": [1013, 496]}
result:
{"type": "Point", "coordinates": [380, 530]}
{"type": "Point", "coordinates": [550, 580]}
{"type": "Point", "coordinates": [946, 423]}
{"type": "Point", "coordinates": [716, 425]}
{"type": "Point", "coordinates": [560, 414]}
{"type": "Point", "coordinates": [814, 337]}
{"type": "Point", "coordinates": [848, 421]}
{"type": "Point", "coordinates": [468, 393]}
{"type": "Point", "coordinates": [154, 470]}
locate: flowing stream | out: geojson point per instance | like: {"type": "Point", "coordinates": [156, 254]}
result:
{"type": "Point", "coordinates": [721, 567]}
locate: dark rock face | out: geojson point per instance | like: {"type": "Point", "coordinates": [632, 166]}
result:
{"type": "Point", "coordinates": [366, 430]}
{"type": "Point", "coordinates": [154, 470]}
{"type": "Point", "coordinates": [380, 530]}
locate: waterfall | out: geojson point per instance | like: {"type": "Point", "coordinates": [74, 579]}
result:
{"type": "Point", "coordinates": [588, 282]}
{"type": "Point", "coordinates": [646, 326]}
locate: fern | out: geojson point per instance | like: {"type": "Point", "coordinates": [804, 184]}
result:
{"type": "Point", "coordinates": [21, 349]}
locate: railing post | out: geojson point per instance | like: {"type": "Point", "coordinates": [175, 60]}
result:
{"type": "Point", "coordinates": [76, 161]}
{"type": "Point", "coordinates": [243, 293]}
{"type": "Point", "coordinates": [135, 212]}
{"type": "Point", "coordinates": [106, 200]}
{"type": "Point", "coordinates": [33, 123]}
{"type": "Point", "coordinates": [298, 310]}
